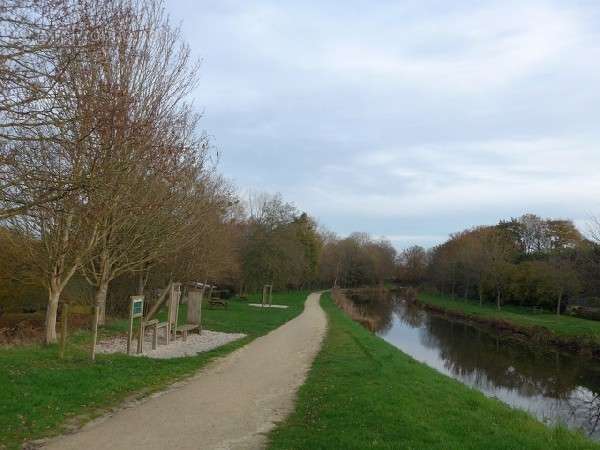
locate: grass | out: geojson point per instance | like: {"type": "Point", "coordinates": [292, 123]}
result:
{"type": "Point", "coordinates": [363, 393]}
{"type": "Point", "coordinates": [563, 326]}
{"type": "Point", "coordinates": [40, 394]}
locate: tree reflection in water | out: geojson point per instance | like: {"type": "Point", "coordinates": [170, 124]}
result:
{"type": "Point", "coordinates": [557, 388]}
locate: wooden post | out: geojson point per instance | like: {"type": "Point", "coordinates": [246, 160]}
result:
{"type": "Point", "coordinates": [270, 295]}
{"type": "Point", "coordinates": [63, 334]}
{"type": "Point", "coordinates": [142, 331]}
{"type": "Point", "coordinates": [176, 299]}
{"type": "Point", "coordinates": [130, 332]}
{"type": "Point", "coordinates": [200, 310]}
{"type": "Point", "coordinates": [95, 330]}
{"type": "Point", "coordinates": [262, 303]}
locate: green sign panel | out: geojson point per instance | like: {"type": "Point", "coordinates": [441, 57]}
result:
{"type": "Point", "coordinates": [137, 308]}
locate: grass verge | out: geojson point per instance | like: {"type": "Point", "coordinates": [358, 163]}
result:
{"type": "Point", "coordinates": [40, 394]}
{"type": "Point", "coordinates": [363, 393]}
{"type": "Point", "coordinates": [567, 327]}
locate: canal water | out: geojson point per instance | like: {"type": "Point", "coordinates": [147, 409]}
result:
{"type": "Point", "coordinates": [555, 387]}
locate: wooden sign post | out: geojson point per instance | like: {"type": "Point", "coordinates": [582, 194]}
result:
{"type": "Point", "coordinates": [267, 295]}
{"type": "Point", "coordinates": [136, 310]}
{"type": "Point", "coordinates": [264, 296]}
{"type": "Point", "coordinates": [270, 295]}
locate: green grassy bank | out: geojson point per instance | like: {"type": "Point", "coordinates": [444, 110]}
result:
{"type": "Point", "coordinates": [568, 328]}
{"type": "Point", "coordinates": [363, 393]}
{"type": "Point", "coordinates": [40, 395]}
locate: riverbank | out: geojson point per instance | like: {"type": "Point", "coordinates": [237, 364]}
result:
{"type": "Point", "coordinates": [43, 396]}
{"type": "Point", "coordinates": [565, 333]}
{"type": "Point", "coordinates": [363, 393]}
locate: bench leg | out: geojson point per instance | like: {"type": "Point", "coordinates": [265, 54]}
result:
{"type": "Point", "coordinates": [141, 337]}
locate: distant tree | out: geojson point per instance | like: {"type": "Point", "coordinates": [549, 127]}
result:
{"type": "Point", "coordinates": [473, 258]}
{"type": "Point", "coordinates": [383, 256]}
{"type": "Point", "coordinates": [413, 264]}
{"type": "Point", "coordinates": [536, 236]}
{"type": "Point", "coordinates": [357, 260]}
{"type": "Point", "coordinates": [272, 250]}
{"type": "Point", "coordinates": [306, 229]}
{"type": "Point", "coordinates": [499, 253]}
{"type": "Point", "coordinates": [445, 265]}
{"type": "Point", "coordinates": [556, 279]}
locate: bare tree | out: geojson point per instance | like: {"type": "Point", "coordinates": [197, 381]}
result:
{"type": "Point", "coordinates": [149, 149]}
{"type": "Point", "coordinates": [37, 47]}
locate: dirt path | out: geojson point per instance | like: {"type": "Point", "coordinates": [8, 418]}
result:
{"type": "Point", "coordinates": [228, 405]}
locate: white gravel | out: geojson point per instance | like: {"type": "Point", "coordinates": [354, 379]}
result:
{"type": "Point", "coordinates": [196, 343]}
{"type": "Point", "coordinates": [258, 305]}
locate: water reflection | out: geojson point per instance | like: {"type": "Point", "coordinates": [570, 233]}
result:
{"type": "Point", "coordinates": [556, 388]}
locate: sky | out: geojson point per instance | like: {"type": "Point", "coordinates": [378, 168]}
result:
{"type": "Point", "coordinates": [408, 120]}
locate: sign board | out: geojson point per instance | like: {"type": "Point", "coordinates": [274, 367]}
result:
{"type": "Point", "coordinates": [137, 306]}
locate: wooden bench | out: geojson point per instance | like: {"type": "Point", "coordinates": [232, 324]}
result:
{"type": "Point", "coordinates": [185, 329]}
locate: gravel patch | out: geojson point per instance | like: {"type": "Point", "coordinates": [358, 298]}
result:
{"type": "Point", "coordinates": [196, 343]}
{"type": "Point", "coordinates": [258, 305]}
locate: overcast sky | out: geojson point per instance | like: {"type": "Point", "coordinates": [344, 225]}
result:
{"type": "Point", "coordinates": [405, 119]}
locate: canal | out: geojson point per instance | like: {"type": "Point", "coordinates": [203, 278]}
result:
{"type": "Point", "coordinates": [555, 387]}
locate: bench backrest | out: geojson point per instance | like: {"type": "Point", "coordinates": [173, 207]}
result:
{"type": "Point", "coordinates": [194, 307]}
{"type": "Point", "coordinates": [173, 305]}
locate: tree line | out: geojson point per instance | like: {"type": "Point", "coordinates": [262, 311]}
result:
{"type": "Point", "coordinates": [108, 186]}
{"type": "Point", "coordinates": [527, 261]}
{"type": "Point", "coordinates": [357, 260]}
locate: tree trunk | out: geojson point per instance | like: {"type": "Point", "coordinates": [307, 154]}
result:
{"type": "Point", "coordinates": [51, 311]}
{"type": "Point", "coordinates": [104, 275]}
{"type": "Point", "coordinates": [558, 304]}
{"type": "Point", "coordinates": [480, 288]}
{"type": "Point", "coordinates": [498, 298]}
{"type": "Point", "coordinates": [141, 282]}
{"type": "Point", "coordinates": [466, 295]}
{"type": "Point", "coordinates": [101, 293]}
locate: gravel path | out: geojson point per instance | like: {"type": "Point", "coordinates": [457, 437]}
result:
{"type": "Point", "coordinates": [196, 343]}
{"type": "Point", "coordinates": [231, 404]}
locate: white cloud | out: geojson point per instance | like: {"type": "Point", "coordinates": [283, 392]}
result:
{"type": "Point", "coordinates": [467, 177]}
{"type": "Point", "coordinates": [490, 46]}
